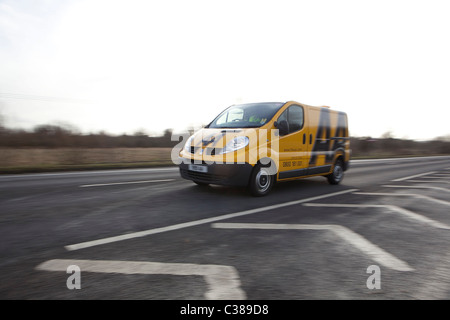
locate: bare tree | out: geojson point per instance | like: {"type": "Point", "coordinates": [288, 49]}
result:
{"type": "Point", "coordinates": [2, 118]}
{"type": "Point", "coordinates": [387, 135]}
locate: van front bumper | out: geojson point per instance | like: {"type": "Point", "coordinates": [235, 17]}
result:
{"type": "Point", "coordinates": [222, 174]}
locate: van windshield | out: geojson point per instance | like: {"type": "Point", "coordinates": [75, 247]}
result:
{"type": "Point", "coordinates": [251, 115]}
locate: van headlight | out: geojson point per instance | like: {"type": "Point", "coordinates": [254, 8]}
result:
{"type": "Point", "coordinates": [235, 144]}
{"type": "Point", "coordinates": [187, 146]}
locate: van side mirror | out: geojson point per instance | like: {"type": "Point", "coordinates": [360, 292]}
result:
{"type": "Point", "coordinates": [283, 127]}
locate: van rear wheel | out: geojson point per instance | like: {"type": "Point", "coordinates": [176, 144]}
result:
{"type": "Point", "coordinates": [261, 181]}
{"type": "Point", "coordinates": [338, 173]}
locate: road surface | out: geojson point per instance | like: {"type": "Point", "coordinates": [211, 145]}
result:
{"type": "Point", "coordinates": [384, 233]}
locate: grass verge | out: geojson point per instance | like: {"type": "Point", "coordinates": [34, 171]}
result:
{"type": "Point", "coordinates": [83, 167]}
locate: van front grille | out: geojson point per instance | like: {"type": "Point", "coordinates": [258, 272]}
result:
{"type": "Point", "coordinates": [206, 151]}
{"type": "Point", "coordinates": [201, 176]}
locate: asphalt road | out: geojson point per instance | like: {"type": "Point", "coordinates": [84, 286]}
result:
{"type": "Point", "coordinates": [148, 234]}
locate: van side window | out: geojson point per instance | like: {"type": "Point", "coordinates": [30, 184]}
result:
{"type": "Point", "coordinates": [282, 117]}
{"type": "Point", "coordinates": [294, 117]}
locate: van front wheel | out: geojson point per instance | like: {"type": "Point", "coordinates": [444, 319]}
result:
{"type": "Point", "coordinates": [202, 184]}
{"type": "Point", "coordinates": [261, 181]}
{"type": "Point", "coordinates": [338, 173]}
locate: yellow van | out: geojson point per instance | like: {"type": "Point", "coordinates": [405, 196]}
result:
{"type": "Point", "coordinates": [258, 144]}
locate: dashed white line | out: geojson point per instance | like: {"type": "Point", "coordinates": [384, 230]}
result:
{"type": "Point", "coordinates": [223, 281]}
{"type": "Point", "coordinates": [413, 195]}
{"type": "Point", "coordinates": [138, 234]}
{"type": "Point", "coordinates": [88, 172]}
{"type": "Point", "coordinates": [417, 187]}
{"type": "Point", "coordinates": [120, 183]}
{"type": "Point", "coordinates": [405, 212]}
{"type": "Point", "coordinates": [376, 253]}
{"type": "Point", "coordinates": [414, 176]}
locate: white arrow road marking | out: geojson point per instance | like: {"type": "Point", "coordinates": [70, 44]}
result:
{"type": "Point", "coordinates": [223, 281]}
{"type": "Point", "coordinates": [421, 196]}
{"type": "Point", "coordinates": [405, 212]}
{"type": "Point", "coordinates": [376, 253]}
{"type": "Point", "coordinates": [417, 187]}
{"type": "Point", "coordinates": [197, 222]}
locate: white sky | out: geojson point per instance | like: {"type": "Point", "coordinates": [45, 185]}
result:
{"type": "Point", "coordinates": [123, 66]}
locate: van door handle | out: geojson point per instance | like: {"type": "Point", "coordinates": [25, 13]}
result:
{"type": "Point", "coordinates": [310, 138]}
{"type": "Point", "coordinates": [304, 138]}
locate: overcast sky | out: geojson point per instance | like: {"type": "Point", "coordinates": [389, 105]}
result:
{"type": "Point", "coordinates": [123, 66]}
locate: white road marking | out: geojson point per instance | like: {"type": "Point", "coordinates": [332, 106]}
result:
{"type": "Point", "coordinates": [88, 172]}
{"type": "Point", "coordinates": [198, 222]}
{"type": "Point", "coordinates": [404, 195]}
{"type": "Point", "coordinates": [405, 212]}
{"type": "Point", "coordinates": [414, 176]}
{"type": "Point", "coordinates": [417, 187]}
{"type": "Point", "coordinates": [361, 161]}
{"type": "Point", "coordinates": [175, 168]}
{"type": "Point", "coordinates": [431, 177]}
{"type": "Point", "coordinates": [435, 181]}
{"type": "Point", "coordinates": [376, 253]}
{"type": "Point", "coordinates": [223, 281]}
{"type": "Point", "coordinates": [434, 284]}
{"type": "Point", "coordinates": [127, 182]}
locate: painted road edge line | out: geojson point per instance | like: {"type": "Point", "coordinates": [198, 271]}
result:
{"type": "Point", "coordinates": [144, 233]}
{"type": "Point", "coordinates": [373, 251]}
{"type": "Point", "coordinates": [223, 281]}
{"type": "Point", "coordinates": [357, 161]}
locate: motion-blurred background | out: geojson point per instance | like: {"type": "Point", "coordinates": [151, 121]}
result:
{"type": "Point", "coordinates": [54, 148]}
{"type": "Point", "coordinates": [103, 84]}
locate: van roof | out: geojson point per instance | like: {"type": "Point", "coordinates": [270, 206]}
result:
{"type": "Point", "coordinates": [281, 103]}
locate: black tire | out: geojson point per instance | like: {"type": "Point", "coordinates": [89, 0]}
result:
{"type": "Point", "coordinates": [337, 175]}
{"type": "Point", "coordinates": [202, 184]}
{"type": "Point", "coordinates": [261, 181]}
